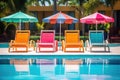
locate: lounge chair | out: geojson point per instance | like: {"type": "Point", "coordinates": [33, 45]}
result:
{"type": "Point", "coordinates": [72, 41]}
{"type": "Point", "coordinates": [47, 42]}
{"type": "Point", "coordinates": [96, 39]}
{"type": "Point", "coordinates": [21, 41]}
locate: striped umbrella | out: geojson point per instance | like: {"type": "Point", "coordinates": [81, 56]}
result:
{"type": "Point", "coordinates": [96, 18]}
{"type": "Point", "coordinates": [60, 18]}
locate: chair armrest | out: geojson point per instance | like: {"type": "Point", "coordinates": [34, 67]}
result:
{"type": "Point", "coordinates": [38, 41]}
{"type": "Point", "coordinates": [87, 44]}
{"type": "Point", "coordinates": [12, 41]}
{"type": "Point", "coordinates": [63, 45]}
{"type": "Point", "coordinates": [56, 42]}
{"type": "Point", "coordinates": [32, 42]}
{"type": "Point", "coordinates": [63, 42]}
{"type": "Point", "coordinates": [82, 42]}
{"type": "Point", "coordinates": [106, 41]}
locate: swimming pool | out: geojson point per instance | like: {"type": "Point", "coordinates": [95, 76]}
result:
{"type": "Point", "coordinates": [60, 69]}
{"type": "Point", "coordinates": [59, 66]}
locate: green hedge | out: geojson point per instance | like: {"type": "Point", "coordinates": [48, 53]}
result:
{"type": "Point", "coordinates": [35, 38]}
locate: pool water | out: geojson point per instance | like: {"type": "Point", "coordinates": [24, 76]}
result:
{"type": "Point", "coordinates": [60, 69]}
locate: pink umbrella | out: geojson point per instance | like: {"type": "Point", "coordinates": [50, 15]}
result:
{"type": "Point", "coordinates": [96, 18]}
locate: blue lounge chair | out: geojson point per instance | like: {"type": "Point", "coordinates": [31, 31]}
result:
{"type": "Point", "coordinates": [96, 39]}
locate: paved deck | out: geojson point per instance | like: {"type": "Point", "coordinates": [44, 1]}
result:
{"type": "Point", "coordinates": [113, 51]}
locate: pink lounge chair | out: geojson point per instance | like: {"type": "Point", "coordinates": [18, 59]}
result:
{"type": "Point", "coordinates": [47, 40]}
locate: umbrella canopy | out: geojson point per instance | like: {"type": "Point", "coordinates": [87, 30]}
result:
{"type": "Point", "coordinates": [60, 18]}
{"type": "Point", "coordinates": [19, 17]}
{"type": "Point", "coordinates": [96, 18]}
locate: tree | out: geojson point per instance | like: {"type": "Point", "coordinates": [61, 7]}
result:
{"type": "Point", "coordinates": [4, 9]}
{"type": "Point", "coordinates": [55, 6]}
{"type": "Point", "coordinates": [110, 3]}
{"type": "Point", "coordinates": [90, 6]}
{"type": "Point", "coordinates": [38, 2]}
{"type": "Point", "coordinates": [16, 5]}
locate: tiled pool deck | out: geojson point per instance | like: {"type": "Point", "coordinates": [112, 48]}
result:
{"type": "Point", "coordinates": [113, 51]}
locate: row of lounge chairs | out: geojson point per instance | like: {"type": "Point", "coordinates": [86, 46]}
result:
{"type": "Point", "coordinates": [47, 42]}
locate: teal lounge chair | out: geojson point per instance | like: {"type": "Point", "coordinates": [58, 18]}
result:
{"type": "Point", "coordinates": [96, 39]}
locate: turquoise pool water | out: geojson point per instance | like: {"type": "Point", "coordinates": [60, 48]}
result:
{"type": "Point", "coordinates": [60, 69]}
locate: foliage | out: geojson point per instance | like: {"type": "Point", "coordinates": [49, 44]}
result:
{"type": "Point", "coordinates": [11, 6]}
{"type": "Point", "coordinates": [104, 27]}
{"type": "Point", "coordinates": [3, 5]}
{"type": "Point", "coordinates": [4, 9]}
{"type": "Point", "coordinates": [90, 5]}
{"type": "Point", "coordinates": [38, 2]}
{"type": "Point", "coordinates": [35, 38]}
{"type": "Point", "coordinates": [40, 26]}
{"type": "Point", "coordinates": [10, 31]}
{"type": "Point", "coordinates": [2, 27]}
{"type": "Point", "coordinates": [110, 3]}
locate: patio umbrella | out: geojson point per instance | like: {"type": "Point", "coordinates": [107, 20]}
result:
{"type": "Point", "coordinates": [96, 18]}
{"type": "Point", "coordinates": [19, 17]}
{"type": "Point", "coordinates": [60, 18]}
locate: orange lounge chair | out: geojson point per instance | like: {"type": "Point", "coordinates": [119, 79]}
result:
{"type": "Point", "coordinates": [47, 42]}
{"type": "Point", "coordinates": [72, 41]}
{"type": "Point", "coordinates": [21, 41]}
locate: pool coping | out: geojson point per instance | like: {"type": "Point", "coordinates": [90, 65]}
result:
{"type": "Point", "coordinates": [59, 55]}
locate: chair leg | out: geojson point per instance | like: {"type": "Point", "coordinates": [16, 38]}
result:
{"type": "Point", "coordinates": [26, 49]}
{"type": "Point", "coordinates": [9, 49]}
{"type": "Point", "coordinates": [108, 48]}
{"type": "Point", "coordinates": [36, 49]}
{"type": "Point", "coordinates": [105, 47]}
{"type": "Point", "coordinates": [90, 49]}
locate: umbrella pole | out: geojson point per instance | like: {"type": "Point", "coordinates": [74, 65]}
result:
{"type": "Point", "coordinates": [60, 33]}
{"type": "Point", "coordinates": [20, 25]}
{"type": "Point", "coordinates": [60, 37]}
{"type": "Point", "coordinates": [96, 26]}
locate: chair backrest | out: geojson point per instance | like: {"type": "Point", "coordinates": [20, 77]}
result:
{"type": "Point", "coordinates": [47, 36]}
{"type": "Point", "coordinates": [96, 36]}
{"type": "Point", "coordinates": [72, 36]}
{"type": "Point", "coordinates": [22, 36]}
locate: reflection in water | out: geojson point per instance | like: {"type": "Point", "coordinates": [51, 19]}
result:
{"type": "Point", "coordinates": [60, 69]}
{"type": "Point", "coordinates": [47, 67]}
{"type": "Point", "coordinates": [72, 67]}
{"type": "Point", "coordinates": [21, 66]}
{"type": "Point", "coordinates": [102, 62]}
